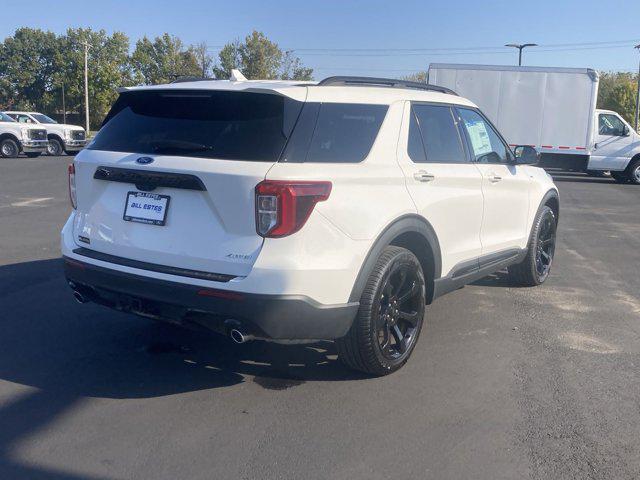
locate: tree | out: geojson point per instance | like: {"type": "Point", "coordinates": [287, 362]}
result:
{"type": "Point", "coordinates": [109, 69]}
{"type": "Point", "coordinates": [163, 60]}
{"type": "Point", "coordinates": [28, 62]}
{"type": "Point", "coordinates": [420, 77]}
{"type": "Point", "coordinates": [260, 58]}
{"type": "Point", "coordinates": [617, 92]}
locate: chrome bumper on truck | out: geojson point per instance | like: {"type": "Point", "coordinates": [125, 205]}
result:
{"type": "Point", "coordinates": [31, 146]}
{"type": "Point", "coordinates": [269, 317]}
{"type": "Point", "coordinates": [74, 145]}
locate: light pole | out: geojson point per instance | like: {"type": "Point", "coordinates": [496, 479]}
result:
{"type": "Point", "coordinates": [520, 47]}
{"type": "Point", "coordinates": [638, 91]}
{"type": "Point", "coordinates": [86, 85]}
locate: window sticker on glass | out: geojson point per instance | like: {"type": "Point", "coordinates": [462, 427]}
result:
{"type": "Point", "coordinates": [479, 136]}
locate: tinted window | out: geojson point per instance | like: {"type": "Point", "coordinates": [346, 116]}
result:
{"type": "Point", "coordinates": [485, 142]}
{"type": "Point", "coordinates": [43, 118]}
{"type": "Point", "coordinates": [213, 124]}
{"type": "Point", "coordinates": [415, 147]}
{"type": "Point", "coordinates": [440, 135]}
{"type": "Point", "coordinates": [5, 118]}
{"type": "Point", "coordinates": [610, 125]}
{"type": "Point", "coordinates": [344, 133]}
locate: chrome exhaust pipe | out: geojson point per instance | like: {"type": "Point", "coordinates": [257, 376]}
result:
{"type": "Point", "coordinates": [239, 337]}
{"type": "Point", "coordinates": [79, 297]}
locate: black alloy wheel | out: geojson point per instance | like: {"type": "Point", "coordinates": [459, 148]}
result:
{"type": "Point", "coordinates": [391, 314]}
{"type": "Point", "coordinates": [399, 309]}
{"type": "Point", "coordinates": [545, 245]}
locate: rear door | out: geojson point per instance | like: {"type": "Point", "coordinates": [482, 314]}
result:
{"type": "Point", "coordinates": [170, 177]}
{"type": "Point", "coordinates": [505, 186]}
{"type": "Point", "coordinates": [445, 186]}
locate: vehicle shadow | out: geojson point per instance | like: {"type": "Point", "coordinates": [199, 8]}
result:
{"type": "Point", "coordinates": [499, 279]}
{"type": "Point", "coordinates": [67, 351]}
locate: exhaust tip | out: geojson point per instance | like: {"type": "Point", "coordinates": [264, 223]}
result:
{"type": "Point", "coordinates": [79, 297]}
{"type": "Point", "coordinates": [237, 336]}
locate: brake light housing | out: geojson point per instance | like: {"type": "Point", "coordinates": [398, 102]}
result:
{"type": "Point", "coordinates": [283, 206]}
{"type": "Point", "coordinates": [72, 186]}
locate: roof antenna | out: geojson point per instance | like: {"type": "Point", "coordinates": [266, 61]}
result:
{"type": "Point", "coordinates": [237, 76]}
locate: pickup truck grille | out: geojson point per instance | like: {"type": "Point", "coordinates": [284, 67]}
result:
{"type": "Point", "coordinates": [77, 134]}
{"type": "Point", "coordinates": [37, 134]}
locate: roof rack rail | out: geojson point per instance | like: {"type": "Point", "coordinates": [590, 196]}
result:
{"type": "Point", "coordinates": [388, 82]}
{"type": "Point", "coordinates": [190, 78]}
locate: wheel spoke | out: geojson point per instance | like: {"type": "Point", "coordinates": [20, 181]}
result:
{"type": "Point", "coordinates": [412, 292]}
{"type": "Point", "coordinates": [401, 345]}
{"type": "Point", "coordinates": [411, 317]}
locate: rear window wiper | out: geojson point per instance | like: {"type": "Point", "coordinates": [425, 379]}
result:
{"type": "Point", "coordinates": [179, 146]}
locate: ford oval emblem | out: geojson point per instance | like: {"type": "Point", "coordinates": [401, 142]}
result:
{"type": "Point", "coordinates": [144, 160]}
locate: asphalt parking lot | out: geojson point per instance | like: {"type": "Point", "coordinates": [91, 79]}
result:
{"type": "Point", "coordinates": [505, 383]}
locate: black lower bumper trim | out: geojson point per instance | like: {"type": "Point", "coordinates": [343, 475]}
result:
{"type": "Point", "coordinates": [278, 317]}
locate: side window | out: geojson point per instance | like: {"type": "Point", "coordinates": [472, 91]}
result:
{"type": "Point", "coordinates": [24, 119]}
{"type": "Point", "coordinates": [485, 142]}
{"type": "Point", "coordinates": [415, 148]}
{"type": "Point", "coordinates": [440, 135]}
{"type": "Point", "coordinates": [344, 132]}
{"type": "Point", "coordinates": [610, 125]}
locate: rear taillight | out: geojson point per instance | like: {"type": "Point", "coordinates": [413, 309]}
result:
{"type": "Point", "coordinates": [72, 186]}
{"type": "Point", "coordinates": [283, 207]}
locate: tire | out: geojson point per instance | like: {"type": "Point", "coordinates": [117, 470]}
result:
{"type": "Point", "coordinates": [633, 172]}
{"type": "Point", "coordinates": [620, 177]}
{"type": "Point", "coordinates": [386, 328]}
{"type": "Point", "coordinates": [33, 154]}
{"type": "Point", "coordinates": [535, 268]}
{"type": "Point", "coordinates": [55, 148]}
{"type": "Point", "coordinates": [9, 148]}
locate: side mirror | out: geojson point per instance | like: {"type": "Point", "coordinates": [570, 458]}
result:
{"type": "Point", "coordinates": [526, 155]}
{"type": "Point", "coordinates": [625, 131]}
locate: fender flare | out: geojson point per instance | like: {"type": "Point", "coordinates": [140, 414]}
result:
{"type": "Point", "coordinates": [552, 193]}
{"type": "Point", "coordinates": [407, 223]}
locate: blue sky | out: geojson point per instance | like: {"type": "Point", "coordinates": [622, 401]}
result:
{"type": "Point", "coordinates": [374, 27]}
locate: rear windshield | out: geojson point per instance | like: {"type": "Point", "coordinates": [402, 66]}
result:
{"type": "Point", "coordinates": [210, 124]}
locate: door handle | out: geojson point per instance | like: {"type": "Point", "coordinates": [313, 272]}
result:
{"type": "Point", "coordinates": [494, 178]}
{"type": "Point", "coordinates": [423, 176]}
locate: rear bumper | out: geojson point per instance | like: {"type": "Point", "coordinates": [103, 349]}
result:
{"type": "Point", "coordinates": [277, 317]}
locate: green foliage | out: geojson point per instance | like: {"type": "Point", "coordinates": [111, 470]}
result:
{"type": "Point", "coordinates": [162, 60]}
{"type": "Point", "coordinates": [618, 93]}
{"type": "Point", "coordinates": [35, 66]}
{"type": "Point", "coordinates": [260, 58]}
{"type": "Point", "coordinates": [420, 77]}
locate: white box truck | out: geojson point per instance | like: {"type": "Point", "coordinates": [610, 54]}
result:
{"type": "Point", "coordinates": [551, 109]}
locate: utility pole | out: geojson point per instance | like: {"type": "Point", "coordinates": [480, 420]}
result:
{"type": "Point", "coordinates": [520, 47]}
{"type": "Point", "coordinates": [86, 85]}
{"type": "Point", "coordinates": [64, 107]}
{"type": "Point", "coordinates": [638, 91]}
{"type": "Point", "coordinates": [204, 66]}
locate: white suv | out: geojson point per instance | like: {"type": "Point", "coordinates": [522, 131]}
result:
{"type": "Point", "coordinates": [296, 212]}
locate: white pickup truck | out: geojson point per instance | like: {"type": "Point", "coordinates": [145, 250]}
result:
{"type": "Point", "coordinates": [553, 110]}
{"type": "Point", "coordinates": [16, 138]}
{"type": "Point", "coordinates": [63, 138]}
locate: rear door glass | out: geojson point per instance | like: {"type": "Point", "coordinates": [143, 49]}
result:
{"type": "Point", "coordinates": [442, 141]}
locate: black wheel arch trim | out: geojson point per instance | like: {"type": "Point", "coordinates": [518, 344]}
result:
{"type": "Point", "coordinates": [405, 224]}
{"type": "Point", "coordinates": [552, 193]}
